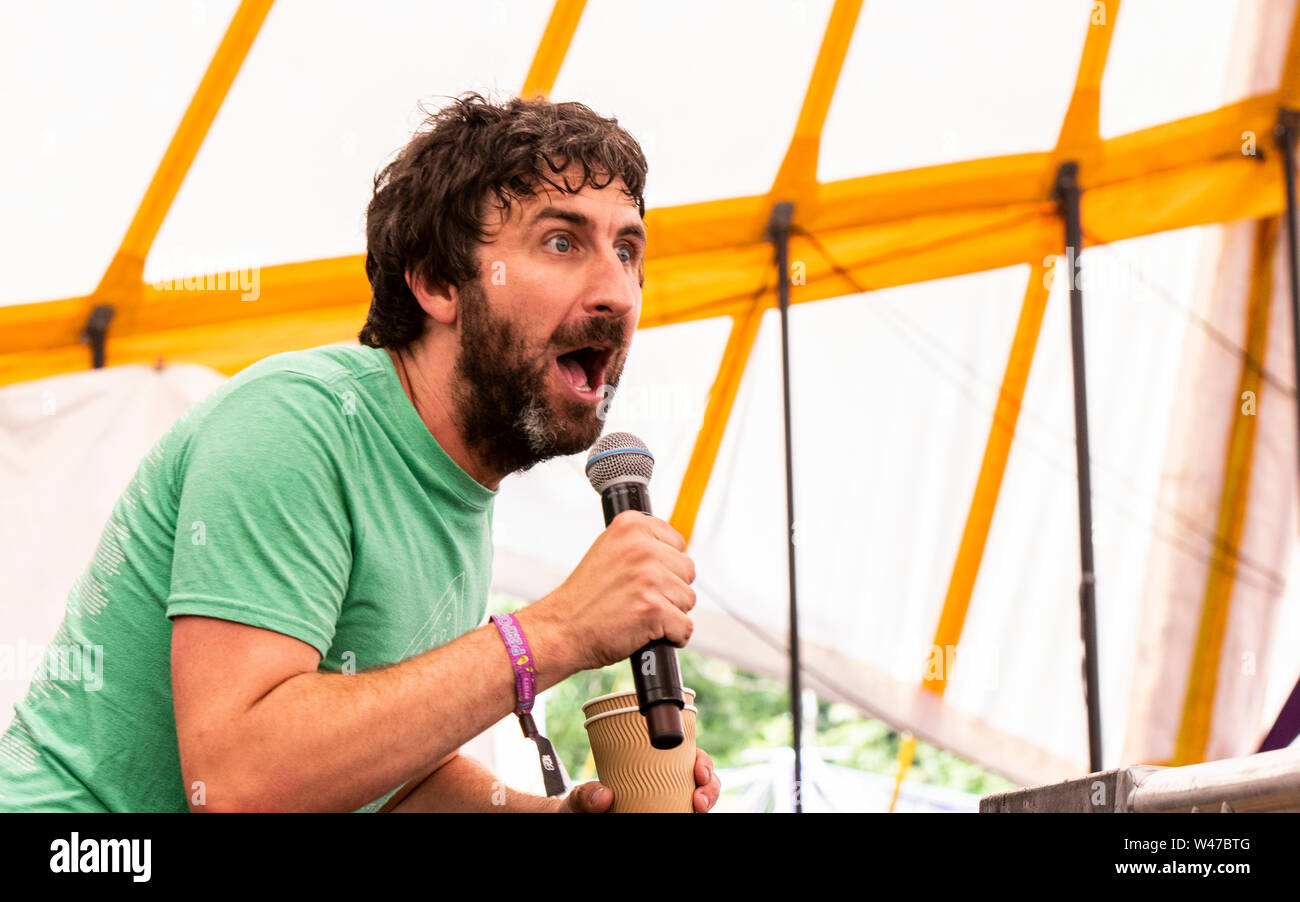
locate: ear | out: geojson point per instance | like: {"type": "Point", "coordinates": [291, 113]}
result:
{"type": "Point", "coordinates": [439, 301]}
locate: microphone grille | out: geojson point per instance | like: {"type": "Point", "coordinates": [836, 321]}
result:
{"type": "Point", "coordinates": [619, 457]}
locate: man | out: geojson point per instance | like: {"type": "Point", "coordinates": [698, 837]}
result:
{"type": "Point", "coordinates": [287, 593]}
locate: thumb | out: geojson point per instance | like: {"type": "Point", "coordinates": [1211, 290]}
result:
{"type": "Point", "coordinates": [590, 798]}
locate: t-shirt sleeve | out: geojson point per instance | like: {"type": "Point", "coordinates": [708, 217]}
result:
{"type": "Point", "coordinates": [263, 533]}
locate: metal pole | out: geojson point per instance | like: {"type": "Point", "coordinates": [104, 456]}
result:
{"type": "Point", "coordinates": [1288, 123]}
{"type": "Point", "coordinates": [1287, 725]}
{"type": "Point", "coordinates": [95, 333]}
{"type": "Point", "coordinates": [1067, 199]}
{"type": "Point", "coordinates": [778, 232]}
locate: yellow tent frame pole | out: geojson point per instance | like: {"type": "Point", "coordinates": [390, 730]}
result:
{"type": "Point", "coordinates": [906, 749]}
{"type": "Point", "coordinates": [1288, 94]}
{"type": "Point", "coordinates": [121, 284]}
{"type": "Point", "coordinates": [997, 450]}
{"type": "Point", "coordinates": [1202, 680]}
{"type": "Point", "coordinates": [1079, 139]}
{"type": "Point", "coordinates": [722, 397]}
{"type": "Point", "coordinates": [1079, 136]}
{"type": "Point", "coordinates": [553, 47]}
{"type": "Point", "coordinates": [705, 258]}
{"type": "Point", "coordinates": [797, 177]}
{"type": "Point", "coordinates": [799, 169]}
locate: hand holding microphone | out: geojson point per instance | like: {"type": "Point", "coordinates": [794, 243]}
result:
{"type": "Point", "coordinates": [630, 589]}
{"type": "Point", "coordinates": [619, 469]}
{"type": "Point", "coordinates": [629, 597]}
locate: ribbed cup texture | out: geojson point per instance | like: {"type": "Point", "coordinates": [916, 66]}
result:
{"type": "Point", "coordinates": [643, 778]}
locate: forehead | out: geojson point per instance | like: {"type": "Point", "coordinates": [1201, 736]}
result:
{"type": "Point", "coordinates": [611, 202]}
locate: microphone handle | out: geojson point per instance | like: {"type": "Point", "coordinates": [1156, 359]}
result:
{"type": "Point", "coordinates": [654, 666]}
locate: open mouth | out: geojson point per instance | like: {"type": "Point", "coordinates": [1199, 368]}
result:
{"type": "Point", "coordinates": [583, 370]}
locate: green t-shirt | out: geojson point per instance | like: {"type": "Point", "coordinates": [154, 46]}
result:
{"type": "Point", "coordinates": [304, 496]}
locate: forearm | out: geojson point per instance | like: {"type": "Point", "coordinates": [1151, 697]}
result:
{"type": "Point", "coordinates": [333, 742]}
{"type": "Point", "coordinates": [465, 785]}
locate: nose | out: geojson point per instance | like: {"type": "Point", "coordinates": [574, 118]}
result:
{"type": "Point", "coordinates": [612, 287]}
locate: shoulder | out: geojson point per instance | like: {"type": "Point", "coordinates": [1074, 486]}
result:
{"type": "Point", "coordinates": [312, 377]}
{"type": "Point", "coordinates": [328, 365]}
{"type": "Point", "coordinates": [286, 400]}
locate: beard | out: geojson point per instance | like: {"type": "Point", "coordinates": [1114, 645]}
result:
{"type": "Point", "coordinates": [503, 394]}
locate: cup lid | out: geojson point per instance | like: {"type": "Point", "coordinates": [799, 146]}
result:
{"type": "Point", "coordinates": [596, 717]}
{"type": "Point", "coordinates": [602, 698]}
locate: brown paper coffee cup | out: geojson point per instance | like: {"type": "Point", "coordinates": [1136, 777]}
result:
{"type": "Point", "coordinates": [642, 777]}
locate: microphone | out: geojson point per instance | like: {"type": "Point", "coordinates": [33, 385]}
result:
{"type": "Point", "coordinates": [619, 469]}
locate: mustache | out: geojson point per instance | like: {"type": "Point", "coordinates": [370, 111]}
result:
{"type": "Point", "coordinates": [593, 332]}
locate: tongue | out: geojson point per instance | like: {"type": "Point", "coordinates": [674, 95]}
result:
{"type": "Point", "coordinates": [573, 371]}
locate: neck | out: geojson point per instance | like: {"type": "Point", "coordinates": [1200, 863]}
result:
{"type": "Point", "coordinates": [429, 392]}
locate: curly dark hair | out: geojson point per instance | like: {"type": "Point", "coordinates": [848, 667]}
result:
{"type": "Point", "coordinates": [428, 212]}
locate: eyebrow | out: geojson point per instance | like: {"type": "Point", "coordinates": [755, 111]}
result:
{"type": "Point", "coordinates": [581, 220]}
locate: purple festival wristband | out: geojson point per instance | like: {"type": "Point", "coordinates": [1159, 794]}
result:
{"type": "Point", "coordinates": [521, 659]}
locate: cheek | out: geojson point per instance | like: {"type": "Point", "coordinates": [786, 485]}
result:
{"type": "Point", "coordinates": [521, 304]}
{"type": "Point", "coordinates": [536, 298]}
{"type": "Point", "coordinates": [524, 285]}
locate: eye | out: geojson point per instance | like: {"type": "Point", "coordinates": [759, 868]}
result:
{"type": "Point", "coordinates": [631, 252]}
{"type": "Point", "coordinates": [562, 243]}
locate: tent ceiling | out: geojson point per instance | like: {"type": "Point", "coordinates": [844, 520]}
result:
{"type": "Point", "coordinates": [897, 182]}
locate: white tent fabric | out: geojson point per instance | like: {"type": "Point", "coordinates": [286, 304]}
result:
{"type": "Point", "coordinates": [1179, 561]}
{"type": "Point", "coordinates": [68, 447]}
{"type": "Point", "coordinates": [1265, 613]}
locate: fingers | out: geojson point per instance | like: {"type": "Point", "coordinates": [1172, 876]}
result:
{"type": "Point", "coordinates": [656, 556]}
{"type": "Point", "coordinates": [679, 593]}
{"type": "Point", "coordinates": [678, 564]}
{"type": "Point", "coordinates": [595, 798]}
{"type": "Point", "coordinates": [678, 629]}
{"type": "Point", "coordinates": [668, 548]}
{"type": "Point", "coordinates": [664, 532]}
{"type": "Point", "coordinates": [703, 767]}
{"type": "Point", "coordinates": [670, 600]}
{"type": "Point", "coordinates": [590, 798]}
{"type": "Point", "coordinates": [707, 797]}
{"type": "Point", "coordinates": [674, 570]}
{"type": "Point", "coordinates": [660, 529]}
{"type": "Point", "coordinates": [710, 787]}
